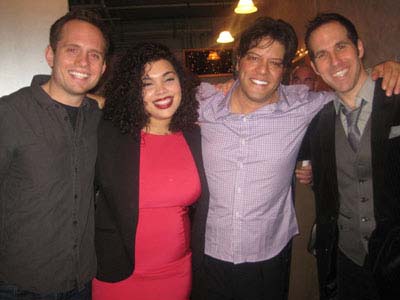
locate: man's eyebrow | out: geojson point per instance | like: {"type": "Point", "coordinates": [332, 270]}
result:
{"type": "Point", "coordinates": [169, 73]}
{"type": "Point", "coordinates": [102, 52]}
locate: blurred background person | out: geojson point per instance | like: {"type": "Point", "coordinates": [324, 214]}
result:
{"type": "Point", "coordinates": [304, 74]}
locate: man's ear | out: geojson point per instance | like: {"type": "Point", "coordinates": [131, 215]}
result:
{"type": "Point", "coordinates": [49, 54]}
{"type": "Point", "coordinates": [104, 67]}
{"type": "Point", "coordinates": [314, 67]}
{"type": "Point", "coordinates": [237, 63]}
{"type": "Point", "coordinates": [360, 47]}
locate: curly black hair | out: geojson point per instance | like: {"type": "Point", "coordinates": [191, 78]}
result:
{"type": "Point", "coordinates": [124, 98]}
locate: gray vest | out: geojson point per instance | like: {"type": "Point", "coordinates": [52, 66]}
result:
{"type": "Point", "coordinates": [354, 172]}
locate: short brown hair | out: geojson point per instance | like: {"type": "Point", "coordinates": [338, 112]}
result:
{"type": "Point", "coordinates": [80, 15]}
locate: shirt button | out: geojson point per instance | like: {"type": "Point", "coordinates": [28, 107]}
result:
{"type": "Point", "coordinates": [75, 222]}
{"type": "Point", "coordinates": [364, 219]}
{"type": "Point", "coordinates": [244, 119]}
{"type": "Point", "coordinates": [243, 142]}
{"type": "Point", "coordinates": [240, 165]}
{"type": "Point", "coordinates": [237, 215]}
{"type": "Point", "coordinates": [75, 196]}
{"type": "Point", "coordinates": [74, 246]}
{"type": "Point", "coordinates": [239, 190]}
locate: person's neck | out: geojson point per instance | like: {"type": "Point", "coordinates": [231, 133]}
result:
{"type": "Point", "coordinates": [158, 128]}
{"type": "Point", "coordinates": [240, 104]}
{"type": "Point", "coordinates": [60, 97]}
{"type": "Point", "coordinates": [349, 98]}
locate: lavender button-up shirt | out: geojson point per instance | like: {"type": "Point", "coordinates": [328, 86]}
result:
{"type": "Point", "coordinates": [249, 162]}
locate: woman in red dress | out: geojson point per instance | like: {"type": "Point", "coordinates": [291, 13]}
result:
{"type": "Point", "coordinates": [150, 173]}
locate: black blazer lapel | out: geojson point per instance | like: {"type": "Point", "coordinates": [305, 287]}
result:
{"type": "Point", "coordinates": [128, 166]}
{"type": "Point", "coordinates": [327, 128]}
{"type": "Point", "coordinates": [324, 164]}
{"type": "Point", "coordinates": [122, 169]}
{"type": "Point", "coordinates": [381, 120]}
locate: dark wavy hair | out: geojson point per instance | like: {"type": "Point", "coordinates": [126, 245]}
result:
{"type": "Point", "coordinates": [325, 18]}
{"type": "Point", "coordinates": [124, 98]}
{"type": "Point", "coordinates": [277, 30]}
{"type": "Point", "coordinates": [80, 15]}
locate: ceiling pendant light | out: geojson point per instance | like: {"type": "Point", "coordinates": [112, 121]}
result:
{"type": "Point", "coordinates": [245, 7]}
{"type": "Point", "coordinates": [225, 37]}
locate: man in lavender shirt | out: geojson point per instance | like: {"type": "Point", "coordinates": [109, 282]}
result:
{"type": "Point", "coordinates": [250, 140]}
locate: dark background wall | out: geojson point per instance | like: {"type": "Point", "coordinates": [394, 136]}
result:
{"type": "Point", "coordinates": [196, 23]}
{"type": "Point", "coordinates": [377, 22]}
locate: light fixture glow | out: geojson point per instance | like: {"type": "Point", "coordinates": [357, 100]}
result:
{"type": "Point", "coordinates": [225, 37]}
{"type": "Point", "coordinates": [245, 7]}
{"type": "Point", "coordinates": [300, 53]}
{"type": "Point", "coordinates": [213, 55]}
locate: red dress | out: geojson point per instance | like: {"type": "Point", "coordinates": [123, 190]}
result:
{"type": "Point", "coordinates": [169, 183]}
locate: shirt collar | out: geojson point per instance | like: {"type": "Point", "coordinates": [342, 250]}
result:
{"type": "Point", "coordinates": [285, 100]}
{"type": "Point", "coordinates": [366, 92]}
{"type": "Point", "coordinates": [223, 106]}
{"type": "Point", "coordinates": [43, 98]}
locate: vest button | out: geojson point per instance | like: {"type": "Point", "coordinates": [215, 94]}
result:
{"type": "Point", "coordinates": [364, 199]}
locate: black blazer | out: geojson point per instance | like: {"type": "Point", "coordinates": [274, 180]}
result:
{"type": "Point", "coordinates": [386, 189]}
{"type": "Point", "coordinates": [117, 175]}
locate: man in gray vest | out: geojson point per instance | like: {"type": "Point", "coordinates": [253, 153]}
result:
{"type": "Point", "coordinates": [354, 143]}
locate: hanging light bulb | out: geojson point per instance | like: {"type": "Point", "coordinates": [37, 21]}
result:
{"type": "Point", "coordinates": [245, 7]}
{"type": "Point", "coordinates": [225, 37]}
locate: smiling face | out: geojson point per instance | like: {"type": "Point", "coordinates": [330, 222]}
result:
{"type": "Point", "coordinates": [337, 60]}
{"type": "Point", "coordinates": [260, 73]}
{"type": "Point", "coordinates": [77, 63]}
{"type": "Point", "coordinates": [161, 94]}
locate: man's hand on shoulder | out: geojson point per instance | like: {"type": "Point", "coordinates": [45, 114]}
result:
{"type": "Point", "coordinates": [390, 71]}
{"type": "Point", "coordinates": [100, 99]}
{"type": "Point", "coordinates": [224, 87]}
